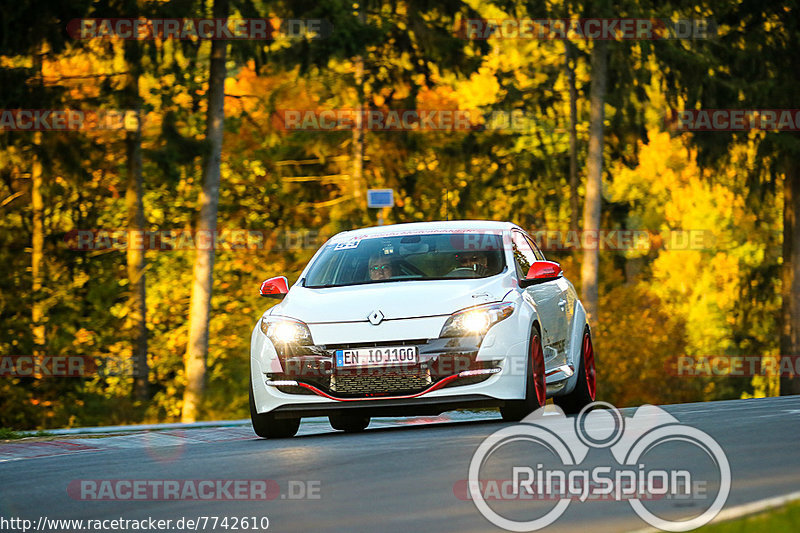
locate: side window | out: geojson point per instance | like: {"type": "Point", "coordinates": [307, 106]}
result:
{"type": "Point", "coordinates": [536, 250]}
{"type": "Point", "coordinates": [523, 253]}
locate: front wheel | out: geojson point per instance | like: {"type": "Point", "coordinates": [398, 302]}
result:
{"type": "Point", "coordinates": [586, 388]}
{"type": "Point", "coordinates": [535, 386]}
{"type": "Point", "coordinates": [267, 426]}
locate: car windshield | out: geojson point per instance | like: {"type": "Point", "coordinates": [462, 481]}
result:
{"type": "Point", "coordinates": [407, 257]}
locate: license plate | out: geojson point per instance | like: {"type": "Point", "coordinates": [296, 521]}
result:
{"type": "Point", "coordinates": [383, 356]}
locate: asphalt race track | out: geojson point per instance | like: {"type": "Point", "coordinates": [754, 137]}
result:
{"type": "Point", "coordinates": [399, 475]}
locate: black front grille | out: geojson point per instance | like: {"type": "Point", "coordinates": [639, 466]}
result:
{"type": "Point", "coordinates": [388, 381]}
{"type": "Point", "coordinates": [439, 358]}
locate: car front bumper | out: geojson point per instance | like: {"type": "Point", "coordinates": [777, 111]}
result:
{"type": "Point", "coordinates": [452, 372]}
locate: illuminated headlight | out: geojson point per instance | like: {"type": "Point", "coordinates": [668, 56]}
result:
{"type": "Point", "coordinates": [476, 320]}
{"type": "Point", "coordinates": [282, 330]}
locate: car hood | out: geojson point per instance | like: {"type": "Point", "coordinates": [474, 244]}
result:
{"type": "Point", "coordinates": [397, 299]}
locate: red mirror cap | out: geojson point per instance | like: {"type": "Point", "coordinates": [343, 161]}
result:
{"type": "Point", "coordinates": [544, 270]}
{"type": "Point", "coordinates": [275, 287]}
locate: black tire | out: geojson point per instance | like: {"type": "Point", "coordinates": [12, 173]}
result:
{"type": "Point", "coordinates": [349, 423]}
{"type": "Point", "coordinates": [267, 426]}
{"type": "Point", "coordinates": [535, 386]}
{"type": "Point", "coordinates": [583, 394]}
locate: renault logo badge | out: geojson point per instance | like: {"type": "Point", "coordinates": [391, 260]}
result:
{"type": "Point", "coordinates": [375, 317]}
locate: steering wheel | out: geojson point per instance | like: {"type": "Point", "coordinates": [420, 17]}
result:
{"type": "Point", "coordinates": [460, 273]}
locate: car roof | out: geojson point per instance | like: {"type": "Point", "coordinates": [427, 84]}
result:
{"type": "Point", "coordinates": [421, 227]}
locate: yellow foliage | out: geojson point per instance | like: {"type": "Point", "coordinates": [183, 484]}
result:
{"type": "Point", "coordinates": [480, 90]}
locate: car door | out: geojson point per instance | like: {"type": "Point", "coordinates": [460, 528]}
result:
{"type": "Point", "coordinates": [546, 296]}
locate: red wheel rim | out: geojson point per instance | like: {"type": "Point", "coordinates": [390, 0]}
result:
{"type": "Point", "coordinates": [537, 367]}
{"type": "Point", "coordinates": [588, 366]}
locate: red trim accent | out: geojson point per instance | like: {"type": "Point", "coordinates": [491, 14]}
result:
{"type": "Point", "coordinates": [273, 287]}
{"type": "Point", "coordinates": [544, 270]}
{"type": "Point", "coordinates": [432, 388]}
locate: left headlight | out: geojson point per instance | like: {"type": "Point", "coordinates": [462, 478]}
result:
{"type": "Point", "coordinates": [476, 320]}
{"type": "Point", "coordinates": [282, 330]}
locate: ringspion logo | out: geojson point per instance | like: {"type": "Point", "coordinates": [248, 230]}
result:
{"type": "Point", "coordinates": [546, 463]}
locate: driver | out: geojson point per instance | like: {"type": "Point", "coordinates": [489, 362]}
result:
{"type": "Point", "coordinates": [380, 267]}
{"type": "Point", "coordinates": [478, 262]}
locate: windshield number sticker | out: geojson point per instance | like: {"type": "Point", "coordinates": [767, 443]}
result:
{"type": "Point", "coordinates": [347, 245]}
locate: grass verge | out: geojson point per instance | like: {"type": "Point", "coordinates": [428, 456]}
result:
{"type": "Point", "coordinates": [785, 519]}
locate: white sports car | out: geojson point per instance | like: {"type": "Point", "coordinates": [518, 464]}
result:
{"type": "Point", "coordinates": [416, 319]}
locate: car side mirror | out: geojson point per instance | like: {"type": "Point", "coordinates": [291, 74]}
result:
{"type": "Point", "coordinates": [275, 287]}
{"type": "Point", "coordinates": [540, 272]}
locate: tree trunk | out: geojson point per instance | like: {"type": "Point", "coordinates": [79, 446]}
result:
{"type": "Point", "coordinates": [37, 248]}
{"type": "Point", "coordinates": [358, 129]}
{"type": "Point", "coordinates": [790, 287]}
{"type": "Point", "coordinates": [197, 348]}
{"type": "Point", "coordinates": [573, 136]}
{"type": "Point", "coordinates": [137, 302]}
{"type": "Point", "coordinates": [358, 144]}
{"type": "Point", "coordinates": [592, 203]}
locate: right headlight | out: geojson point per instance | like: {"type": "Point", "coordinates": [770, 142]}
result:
{"type": "Point", "coordinates": [476, 320]}
{"type": "Point", "coordinates": [281, 330]}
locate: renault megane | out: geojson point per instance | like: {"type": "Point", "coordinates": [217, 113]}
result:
{"type": "Point", "coordinates": [418, 319]}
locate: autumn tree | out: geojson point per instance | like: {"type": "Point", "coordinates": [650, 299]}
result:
{"type": "Point", "coordinates": [750, 63]}
{"type": "Point", "coordinates": [203, 278]}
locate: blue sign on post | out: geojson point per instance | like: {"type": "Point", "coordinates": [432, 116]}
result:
{"type": "Point", "coordinates": [380, 198]}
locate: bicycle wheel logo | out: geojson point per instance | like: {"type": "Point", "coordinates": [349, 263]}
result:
{"type": "Point", "coordinates": [648, 435]}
